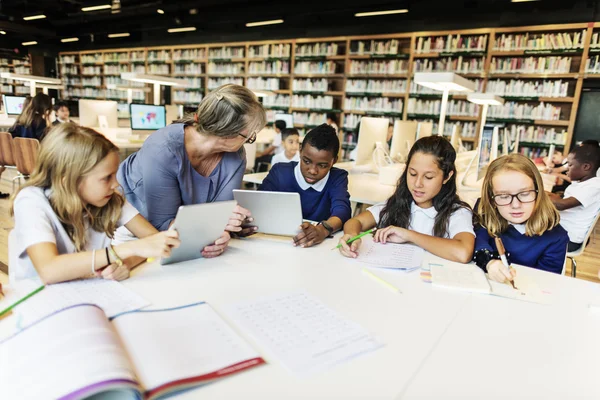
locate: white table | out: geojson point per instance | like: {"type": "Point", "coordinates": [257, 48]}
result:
{"type": "Point", "coordinates": [438, 343]}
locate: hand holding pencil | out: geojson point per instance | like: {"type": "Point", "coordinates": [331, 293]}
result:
{"type": "Point", "coordinates": [349, 244]}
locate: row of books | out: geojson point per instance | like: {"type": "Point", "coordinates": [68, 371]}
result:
{"type": "Point", "coordinates": [159, 55]}
{"type": "Point", "coordinates": [91, 70]}
{"type": "Point", "coordinates": [22, 90]}
{"type": "Point", "coordinates": [317, 49]}
{"type": "Point", "coordinates": [116, 57]}
{"type": "Point", "coordinates": [451, 43]}
{"type": "Point", "coordinates": [269, 67]}
{"type": "Point", "coordinates": [95, 81]}
{"type": "Point", "coordinates": [303, 118]}
{"type": "Point", "coordinates": [513, 110]}
{"type": "Point", "coordinates": [95, 93]}
{"type": "Point", "coordinates": [67, 59]}
{"type": "Point", "coordinates": [159, 69]}
{"type": "Point", "coordinates": [270, 50]}
{"type": "Point", "coordinates": [535, 134]}
{"type": "Point", "coordinates": [517, 87]}
{"type": "Point", "coordinates": [540, 41]}
{"type": "Point", "coordinates": [375, 86]}
{"type": "Point", "coordinates": [307, 101]}
{"type": "Point", "coordinates": [75, 80]}
{"type": "Point", "coordinates": [91, 58]}
{"type": "Point", "coordinates": [69, 70]}
{"type": "Point", "coordinates": [193, 83]}
{"type": "Point", "coordinates": [315, 67]}
{"type": "Point", "coordinates": [225, 68]}
{"type": "Point", "coordinates": [214, 83]}
{"type": "Point", "coordinates": [279, 100]}
{"type": "Point", "coordinates": [263, 83]}
{"type": "Point", "coordinates": [432, 107]}
{"type": "Point", "coordinates": [115, 69]}
{"type": "Point", "coordinates": [189, 69]}
{"type": "Point", "coordinates": [373, 104]}
{"type": "Point", "coordinates": [381, 47]}
{"type": "Point", "coordinates": [533, 152]}
{"type": "Point", "coordinates": [450, 64]}
{"type": "Point", "coordinates": [592, 65]}
{"type": "Point", "coordinates": [115, 80]}
{"type": "Point", "coordinates": [378, 67]}
{"type": "Point", "coordinates": [418, 89]}
{"type": "Point", "coordinates": [530, 65]}
{"type": "Point", "coordinates": [310, 85]}
{"type": "Point", "coordinates": [187, 97]}
{"type": "Point", "coordinates": [226, 52]}
{"type": "Point", "coordinates": [189, 54]}
{"type": "Point", "coordinates": [595, 42]}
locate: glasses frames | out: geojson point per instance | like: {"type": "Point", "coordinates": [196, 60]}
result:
{"type": "Point", "coordinates": [527, 196]}
{"type": "Point", "coordinates": [250, 139]}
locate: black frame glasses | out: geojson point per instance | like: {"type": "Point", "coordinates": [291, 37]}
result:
{"type": "Point", "coordinates": [250, 139]}
{"type": "Point", "coordinates": [518, 196]}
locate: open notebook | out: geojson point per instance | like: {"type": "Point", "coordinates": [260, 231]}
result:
{"type": "Point", "coordinates": [77, 352]}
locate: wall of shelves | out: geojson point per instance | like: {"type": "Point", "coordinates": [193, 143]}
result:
{"type": "Point", "coordinates": [539, 70]}
{"type": "Point", "coordinates": [18, 66]}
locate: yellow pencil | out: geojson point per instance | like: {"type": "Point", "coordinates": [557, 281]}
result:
{"type": "Point", "coordinates": [381, 281]}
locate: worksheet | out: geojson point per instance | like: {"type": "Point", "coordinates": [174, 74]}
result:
{"type": "Point", "coordinates": [406, 257]}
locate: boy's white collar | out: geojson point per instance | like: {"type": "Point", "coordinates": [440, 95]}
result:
{"type": "Point", "coordinates": [319, 186]}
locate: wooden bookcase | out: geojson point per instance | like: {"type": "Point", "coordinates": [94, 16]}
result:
{"type": "Point", "coordinates": [539, 70]}
{"type": "Point", "coordinates": [18, 66]}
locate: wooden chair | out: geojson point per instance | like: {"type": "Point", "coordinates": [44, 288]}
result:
{"type": "Point", "coordinates": [26, 151]}
{"type": "Point", "coordinates": [7, 159]}
{"type": "Point", "coordinates": [580, 250]}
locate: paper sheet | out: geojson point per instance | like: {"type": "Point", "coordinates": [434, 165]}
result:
{"type": "Point", "coordinates": [12, 294]}
{"type": "Point", "coordinates": [111, 296]}
{"type": "Point", "coordinates": [467, 277]}
{"type": "Point", "coordinates": [302, 333]}
{"type": "Point", "coordinates": [391, 255]}
{"type": "Point", "coordinates": [527, 290]}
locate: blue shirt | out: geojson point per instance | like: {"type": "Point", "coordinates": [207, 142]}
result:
{"type": "Point", "coordinates": [332, 201]}
{"type": "Point", "coordinates": [546, 252]}
{"type": "Point", "coordinates": [159, 177]}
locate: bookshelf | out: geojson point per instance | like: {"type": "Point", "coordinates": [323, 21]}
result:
{"type": "Point", "coordinates": [539, 70]}
{"type": "Point", "coordinates": [18, 66]}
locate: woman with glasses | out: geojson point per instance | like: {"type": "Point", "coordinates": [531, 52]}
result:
{"type": "Point", "coordinates": [199, 159]}
{"type": "Point", "coordinates": [515, 208]}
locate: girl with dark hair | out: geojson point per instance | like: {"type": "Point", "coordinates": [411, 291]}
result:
{"type": "Point", "coordinates": [34, 119]}
{"type": "Point", "coordinates": [424, 210]}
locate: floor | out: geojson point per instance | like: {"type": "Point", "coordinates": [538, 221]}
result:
{"type": "Point", "coordinates": [588, 264]}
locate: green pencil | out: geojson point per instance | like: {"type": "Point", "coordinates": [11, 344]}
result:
{"type": "Point", "coordinates": [365, 233]}
{"type": "Point", "coordinates": [5, 311]}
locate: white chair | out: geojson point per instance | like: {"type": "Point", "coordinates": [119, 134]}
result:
{"type": "Point", "coordinates": [580, 251]}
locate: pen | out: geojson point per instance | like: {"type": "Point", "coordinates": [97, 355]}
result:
{"type": "Point", "coordinates": [502, 253]}
{"type": "Point", "coordinates": [381, 280]}
{"type": "Point", "coordinates": [2, 312]}
{"type": "Point", "coordinates": [365, 233]}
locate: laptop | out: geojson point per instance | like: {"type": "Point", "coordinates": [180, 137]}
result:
{"type": "Point", "coordinates": [275, 213]}
{"type": "Point", "coordinates": [198, 225]}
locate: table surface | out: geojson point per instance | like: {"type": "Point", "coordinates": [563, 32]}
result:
{"type": "Point", "coordinates": [438, 343]}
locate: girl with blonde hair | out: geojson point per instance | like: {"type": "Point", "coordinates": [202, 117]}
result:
{"type": "Point", "coordinates": [199, 159]}
{"type": "Point", "coordinates": [515, 208]}
{"type": "Point", "coordinates": [67, 213]}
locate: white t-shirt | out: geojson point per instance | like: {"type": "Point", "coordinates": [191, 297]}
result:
{"type": "Point", "coordinates": [36, 222]}
{"type": "Point", "coordinates": [281, 158]}
{"type": "Point", "coordinates": [577, 220]}
{"type": "Point", "coordinates": [277, 143]}
{"type": "Point", "coordinates": [422, 220]}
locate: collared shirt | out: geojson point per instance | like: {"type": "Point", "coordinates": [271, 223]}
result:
{"type": "Point", "coordinates": [521, 228]}
{"type": "Point", "coordinates": [422, 220]}
{"type": "Point", "coordinates": [319, 186]}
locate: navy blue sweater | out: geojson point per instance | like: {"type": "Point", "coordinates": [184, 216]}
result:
{"type": "Point", "coordinates": [332, 201]}
{"type": "Point", "coordinates": [546, 252]}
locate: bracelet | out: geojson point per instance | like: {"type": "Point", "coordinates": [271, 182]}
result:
{"type": "Point", "coordinates": [94, 262]}
{"type": "Point", "coordinates": [107, 257]}
{"type": "Point", "coordinates": [113, 253]}
{"type": "Point", "coordinates": [483, 257]}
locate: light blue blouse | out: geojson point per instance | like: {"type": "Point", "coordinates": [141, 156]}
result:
{"type": "Point", "coordinates": [159, 177]}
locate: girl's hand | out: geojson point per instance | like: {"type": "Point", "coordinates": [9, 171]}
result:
{"type": "Point", "coordinates": [349, 250]}
{"type": "Point", "coordinates": [218, 247]}
{"type": "Point", "coordinates": [498, 272]}
{"type": "Point", "coordinates": [239, 220]}
{"type": "Point", "coordinates": [157, 245]}
{"type": "Point", "coordinates": [391, 234]}
{"type": "Point", "coordinates": [114, 272]}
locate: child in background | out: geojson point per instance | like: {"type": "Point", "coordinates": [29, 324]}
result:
{"type": "Point", "coordinates": [424, 210]}
{"type": "Point", "coordinates": [323, 188]}
{"type": "Point", "coordinates": [515, 208]}
{"type": "Point", "coordinates": [61, 109]}
{"type": "Point", "coordinates": [69, 209]}
{"type": "Point", "coordinates": [332, 121]}
{"type": "Point", "coordinates": [290, 141]}
{"type": "Point", "coordinates": [34, 118]}
{"type": "Point", "coordinates": [581, 201]}
{"type": "Point", "coordinates": [275, 146]}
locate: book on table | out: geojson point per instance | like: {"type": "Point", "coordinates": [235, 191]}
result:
{"type": "Point", "coordinates": [77, 352]}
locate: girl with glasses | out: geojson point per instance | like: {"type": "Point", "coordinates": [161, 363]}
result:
{"type": "Point", "coordinates": [515, 208]}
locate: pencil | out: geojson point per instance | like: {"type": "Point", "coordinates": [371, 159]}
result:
{"type": "Point", "coordinates": [22, 300]}
{"type": "Point", "coordinates": [360, 235]}
{"type": "Point", "coordinates": [502, 253]}
{"type": "Point", "coordinates": [381, 281]}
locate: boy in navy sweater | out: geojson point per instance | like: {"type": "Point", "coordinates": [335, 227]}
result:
{"type": "Point", "coordinates": [323, 189]}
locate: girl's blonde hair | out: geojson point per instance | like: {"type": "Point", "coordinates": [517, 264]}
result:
{"type": "Point", "coordinates": [227, 111]}
{"type": "Point", "coordinates": [544, 217]}
{"type": "Point", "coordinates": [68, 153]}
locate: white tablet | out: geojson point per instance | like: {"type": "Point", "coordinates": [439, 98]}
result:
{"type": "Point", "coordinates": [275, 213]}
{"type": "Point", "coordinates": [198, 225]}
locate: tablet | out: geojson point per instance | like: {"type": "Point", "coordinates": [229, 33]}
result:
{"type": "Point", "coordinates": [275, 213]}
{"type": "Point", "coordinates": [198, 225]}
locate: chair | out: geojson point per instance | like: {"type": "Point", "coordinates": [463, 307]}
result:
{"type": "Point", "coordinates": [250, 156]}
{"type": "Point", "coordinates": [580, 251]}
{"type": "Point", "coordinates": [7, 159]}
{"type": "Point", "coordinates": [26, 151]}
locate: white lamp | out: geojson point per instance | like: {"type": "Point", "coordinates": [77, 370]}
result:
{"type": "Point", "coordinates": [486, 100]}
{"type": "Point", "coordinates": [445, 82]}
{"type": "Point", "coordinates": [32, 79]}
{"type": "Point", "coordinates": [156, 80]}
{"type": "Point", "coordinates": [130, 90]}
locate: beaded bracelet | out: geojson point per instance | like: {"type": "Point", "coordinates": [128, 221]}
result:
{"type": "Point", "coordinates": [483, 257]}
{"type": "Point", "coordinates": [94, 262]}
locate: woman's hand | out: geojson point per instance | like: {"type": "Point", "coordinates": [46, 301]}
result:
{"type": "Point", "coordinates": [113, 272]}
{"type": "Point", "coordinates": [391, 234]}
{"type": "Point", "coordinates": [218, 247]}
{"type": "Point", "coordinates": [239, 220]}
{"type": "Point", "coordinates": [349, 250]}
{"type": "Point", "coordinates": [498, 272]}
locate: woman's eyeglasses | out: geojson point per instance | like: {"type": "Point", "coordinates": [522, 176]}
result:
{"type": "Point", "coordinates": [250, 139]}
{"type": "Point", "coordinates": [527, 196]}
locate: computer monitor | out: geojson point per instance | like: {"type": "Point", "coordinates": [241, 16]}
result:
{"type": "Point", "coordinates": [372, 130]}
{"type": "Point", "coordinates": [424, 129]}
{"type": "Point", "coordinates": [488, 149]}
{"type": "Point", "coordinates": [404, 136]}
{"type": "Point", "coordinates": [13, 105]}
{"type": "Point", "coordinates": [147, 117]}
{"type": "Point", "coordinates": [98, 113]}
{"type": "Point", "coordinates": [288, 118]}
